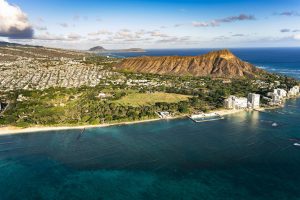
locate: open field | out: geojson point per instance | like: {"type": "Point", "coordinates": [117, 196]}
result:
{"type": "Point", "coordinates": [141, 99]}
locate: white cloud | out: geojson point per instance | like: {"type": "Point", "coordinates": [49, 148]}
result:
{"type": "Point", "coordinates": [178, 25]}
{"type": "Point", "coordinates": [64, 25]}
{"type": "Point", "coordinates": [51, 37]}
{"type": "Point", "coordinates": [288, 13]}
{"type": "Point", "coordinates": [48, 36]}
{"type": "Point", "coordinates": [238, 35]}
{"type": "Point", "coordinates": [40, 28]}
{"type": "Point", "coordinates": [101, 32]}
{"type": "Point", "coordinates": [217, 22]}
{"type": "Point", "coordinates": [158, 34]}
{"type": "Point", "coordinates": [74, 36]}
{"type": "Point", "coordinates": [205, 24]}
{"type": "Point", "coordinates": [14, 22]}
{"type": "Point", "coordinates": [177, 40]}
{"type": "Point", "coordinates": [296, 37]}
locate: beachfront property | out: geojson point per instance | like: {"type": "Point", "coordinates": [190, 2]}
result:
{"type": "Point", "coordinates": [277, 96]}
{"type": "Point", "coordinates": [253, 100]}
{"type": "Point", "coordinates": [233, 102]}
{"type": "Point", "coordinates": [276, 99]}
{"type": "Point", "coordinates": [294, 91]}
{"type": "Point", "coordinates": [164, 114]}
{"type": "Point", "coordinates": [280, 92]}
{"type": "Point", "coordinates": [237, 103]}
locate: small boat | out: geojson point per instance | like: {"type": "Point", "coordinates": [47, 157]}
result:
{"type": "Point", "coordinates": [296, 144]}
{"type": "Point", "coordinates": [274, 124]}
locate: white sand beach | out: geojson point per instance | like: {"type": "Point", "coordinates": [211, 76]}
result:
{"type": "Point", "coordinates": [17, 130]}
{"type": "Point", "coordinates": [7, 130]}
{"type": "Point", "coordinates": [224, 112]}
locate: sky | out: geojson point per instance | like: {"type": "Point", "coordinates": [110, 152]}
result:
{"type": "Point", "coordinates": [151, 24]}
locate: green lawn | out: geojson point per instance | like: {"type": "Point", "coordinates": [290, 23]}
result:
{"type": "Point", "coordinates": [140, 99]}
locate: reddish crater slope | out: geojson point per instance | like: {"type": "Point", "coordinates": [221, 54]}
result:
{"type": "Point", "coordinates": [215, 64]}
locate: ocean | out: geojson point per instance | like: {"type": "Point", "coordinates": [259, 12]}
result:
{"type": "Point", "coordinates": [249, 155]}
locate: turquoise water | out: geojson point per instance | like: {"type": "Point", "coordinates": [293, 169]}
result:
{"type": "Point", "coordinates": [240, 157]}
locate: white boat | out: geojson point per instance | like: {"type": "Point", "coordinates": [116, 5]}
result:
{"type": "Point", "coordinates": [296, 144]}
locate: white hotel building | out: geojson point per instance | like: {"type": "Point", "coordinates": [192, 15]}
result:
{"type": "Point", "coordinates": [280, 92]}
{"type": "Point", "coordinates": [236, 103]}
{"type": "Point", "coordinates": [233, 102]}
{"type": "Point", "coordinates": [294, 91]}
{"type": "Point", "coordinates": [253, 100]}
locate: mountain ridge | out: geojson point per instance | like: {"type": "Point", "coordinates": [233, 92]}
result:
{"type": "Point", "coordinates": [100, 49]}
{"type": "Point", "coordinates": [221, 63]}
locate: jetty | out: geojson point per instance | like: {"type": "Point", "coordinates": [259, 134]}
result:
{"type": "Point", "coordinates": [205, 117]}
{"type": "Point", "coordinates": [81, 133]}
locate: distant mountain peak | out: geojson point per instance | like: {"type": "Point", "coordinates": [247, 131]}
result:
{"type": "Point", "coordinates": [100, 49]}
{"type": "Point", "coordinates": [97, 48]}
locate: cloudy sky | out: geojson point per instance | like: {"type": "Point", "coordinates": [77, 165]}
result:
{"type": "Point", "coordinates": [151, 23]}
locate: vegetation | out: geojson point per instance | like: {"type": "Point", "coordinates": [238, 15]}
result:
{"type": "Point", "coordinates": [128, 96]}
{"type": "Point", "coordinates": [144, 99]}
{"type": "Point", "coordinates": [60, 106]}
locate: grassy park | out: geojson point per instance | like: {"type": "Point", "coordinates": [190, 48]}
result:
{"type": "Point", "coordinates": [142, 99]}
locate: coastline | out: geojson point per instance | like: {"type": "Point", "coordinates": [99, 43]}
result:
{"type": "Point", "coordinates": [8, 130]}
{"type": "Point", "coordinates": [224, 112]}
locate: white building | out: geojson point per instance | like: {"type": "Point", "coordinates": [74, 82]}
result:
{"type": "Point", "coordinates": [164, 114]}
{"type": "Point", "coordinates": [280, 92]}
{"type": "Point", "coordinates": [101, 95]}
{"type": "Point", "coordinates": [253, 100]}
{"type": "Point", "coordinates": [278, 96]}
{"type": "Point", "coordinates": [233, 102]}
{"type": "Point", "coordinates": [276, 99]}
{"type": "Point", "coordinates": [294, 91]}
{"type": "Point", "coordinates": [228, 103]}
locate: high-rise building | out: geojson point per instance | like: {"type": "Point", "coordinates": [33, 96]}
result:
{"type": "Point", "coordinates": [233, 102]}
{"type": "Point", "coordinates": [253, 100]}
{"type": "Point", "coordinates": [294, 91]}
{"type": "Point", "coordinates": [280, 92]}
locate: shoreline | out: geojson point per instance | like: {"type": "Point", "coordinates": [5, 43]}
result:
{"type": "Point", "coordinates": [9, 130]}
{"type": "Point", "coordinates": [224, 112]}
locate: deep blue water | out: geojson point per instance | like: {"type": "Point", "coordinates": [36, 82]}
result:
{"type": "Point", "coordinates": [240, 157]}
{"type": "Point", "coordinates": [278, 60]}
